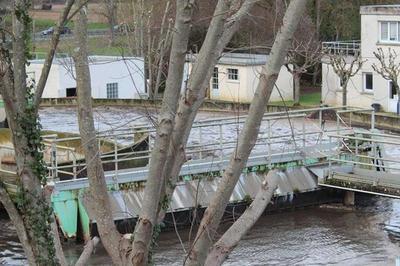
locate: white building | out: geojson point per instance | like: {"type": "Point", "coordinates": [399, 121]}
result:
{"type": "Point", "coordinates": [380, 28]}
{"type": "Point", "coordinates": [236, 77]}
{"type": "Point", "coordinates": [111, 77]}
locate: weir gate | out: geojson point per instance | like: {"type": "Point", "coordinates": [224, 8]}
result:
{"type": "Point", "coordinates": [314, 148]}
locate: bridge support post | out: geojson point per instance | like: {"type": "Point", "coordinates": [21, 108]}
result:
{"type": "Point", "coordinates": [348, 199]}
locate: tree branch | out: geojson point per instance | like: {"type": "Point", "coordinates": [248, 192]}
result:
{"type": "Point", "coordinates": [50, 55]}
{"type": "Point", "coordinates": [17, 221]}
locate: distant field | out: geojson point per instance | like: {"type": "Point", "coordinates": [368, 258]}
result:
{"type": "Point", "coordinates": [97, 46]}
{"type": "Point", "coordinates": [53, 15]}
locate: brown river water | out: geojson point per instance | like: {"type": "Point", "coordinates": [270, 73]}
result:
{"type": "Point", "coordinates": [368, 235]}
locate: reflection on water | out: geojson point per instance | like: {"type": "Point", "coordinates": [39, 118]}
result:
{"type": "Point", "coordinates": [366, 236]}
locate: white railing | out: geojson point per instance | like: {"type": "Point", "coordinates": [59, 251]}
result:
{"type": "Point", "coordinates": [343, 47]}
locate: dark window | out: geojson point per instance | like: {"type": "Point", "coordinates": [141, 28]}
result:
{"type": "Point", "coordinates": [112, 90]}
{"type": "Point", "coordinates": [392, 91]}
{"type": "Point", "coordinates": [368, 81]}
{"type": "Point", "coordinates": [71, 92]}
{"type": "Point", "coordinates": [233, 73]}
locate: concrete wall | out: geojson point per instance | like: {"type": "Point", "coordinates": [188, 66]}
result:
{"type": "Point", "coordinates": [128, 75]}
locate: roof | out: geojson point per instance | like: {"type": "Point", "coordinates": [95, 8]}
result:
{"type": "Point", "coordinates": [94, 59]}
{"type": "Point", "coordinates": [237, 59]}
{"type": "Point", "coordinates": [380, 10]}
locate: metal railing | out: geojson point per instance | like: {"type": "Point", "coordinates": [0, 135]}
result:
{"type": "Point", "coordinates": [209, 143]}
{"type": "Point", "coordinates": [342, 47]}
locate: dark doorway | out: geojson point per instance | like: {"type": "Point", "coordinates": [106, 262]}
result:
{"type": "Point", "coordinates": [71, 92]}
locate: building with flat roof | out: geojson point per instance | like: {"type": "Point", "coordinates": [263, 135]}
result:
{"type": "Point", "coordinates": [112, 77]}
{"type": "Point", "coordinates": [236, 76]}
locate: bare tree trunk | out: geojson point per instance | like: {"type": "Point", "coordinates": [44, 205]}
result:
{"type": "Point", "coordinates": [218, 36]}
{"type": "Point", "coordinates": [248, 135]}
{"type": "Point", "coordinates": [148, 217]}
{"type": "Point", "coordinates": [318, 26]}
{"type": "Point", "coordinates": [87, 251]}
{"type": "Point", "coordinates": [232, 236]}
{"type": "Point", "coordinates": [99, 202]}
{"type": "Point", "coordinates": [296, 83]}
{"type": "Point", "coordinates": [344, 94]}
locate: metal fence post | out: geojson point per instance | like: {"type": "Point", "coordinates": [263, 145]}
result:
{"type": "Point", "coordinates": [200, 141]}
{"type": "Point", "coordinates": [373, 119]}
{"type": "Point", "coordinates": [269, 144]}
{"type": "Point", "coordinates": [221, 142]}
{"type": "Point", "coordinates": [54, 160]}
{"type": "Point", "coordinates": [304, 131]}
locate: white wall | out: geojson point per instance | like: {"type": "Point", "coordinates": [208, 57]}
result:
{"type": "Point", "coordinates": [357, 96]}
{"type": "Point", "coordinates": [34, 70]}
{"type": "Point", "coordinates": [127, 73]}
{"type": "Point", "coordinates": [243, 90]}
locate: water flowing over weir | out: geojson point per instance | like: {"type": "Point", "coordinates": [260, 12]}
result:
{"type": "Point", "coordinates": [300, 143]}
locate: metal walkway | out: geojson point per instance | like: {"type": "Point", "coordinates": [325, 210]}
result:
{"type": "Point", "coordinates": [313, 147]}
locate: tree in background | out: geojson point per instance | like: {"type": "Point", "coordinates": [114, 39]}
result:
{"type": "Point", "coordinates": [304, 54]}
{"type": "Point", "coordinates": [389, 69]}
{"type": "Point", "coordinates": [108, 9]}
{"type": "Point", "coordinates": [345, 66]}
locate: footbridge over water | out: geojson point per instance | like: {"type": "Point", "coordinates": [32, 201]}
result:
{"type": "Point", "coordinates": [314, 148]}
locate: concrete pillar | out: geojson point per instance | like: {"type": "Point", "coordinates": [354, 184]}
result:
{"type": "Point", "coordinates": [348, 199]}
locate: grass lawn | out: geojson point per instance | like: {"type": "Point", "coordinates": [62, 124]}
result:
{"type": "Point", "coordinates": [42, 24]}
{"type": "Point", "coordinates": [97, 46]}
{"type": "Point", "coordinates": [307, 99]}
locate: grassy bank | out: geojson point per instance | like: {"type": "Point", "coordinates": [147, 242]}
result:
{"type": "Point", "coordinates": [307, 99]}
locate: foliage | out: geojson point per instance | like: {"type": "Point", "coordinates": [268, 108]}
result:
{"type": "Point", "coordinates": [340, 19]}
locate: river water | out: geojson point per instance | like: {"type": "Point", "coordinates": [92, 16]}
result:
{"type": "Point", "coordinates": [367, 235]}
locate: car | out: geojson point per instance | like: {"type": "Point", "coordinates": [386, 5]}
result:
{"type": "Point", "coordinates": [50, 31]}
{"type": "Point", "coordinates": [122, 27]}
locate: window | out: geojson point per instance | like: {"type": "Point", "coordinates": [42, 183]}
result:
{"type": "Point", "coordinates": [392, 90]}
{"type": "Point", "coordinates": [70, 92]}
{"type": "Point", "coordinates": [390, 31]}
{"type": "Point", "coordinates": [214, 82]}
{"type": "Point", "coordinates": [233, 74]}
{"type": "Point", "coordinates": [368, 82]}
{"type": "Point", "coordinates": [112, 90]}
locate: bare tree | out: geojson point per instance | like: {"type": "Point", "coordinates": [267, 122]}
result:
{"type": "Point", "coordinates": [228, 241]}
{"type": "Point", "coordinates": [218, 36]}
{"type": "Point", "coordinates": [389, 69]}
{"type": "Point", "coordinates": [248, 136]}
{"type": "Point", "coordinates": [98, 201]}
{"type": "Point", "coordinates": [149, 35]}
{"type": "Point", "coordinates": [108, 10]}
{"type": "Point", "coordinates": [300, 58]}
{"type": "Point", "coordinates": [345, 66]}
{"type": "Point", "coordinates": [148, 217]}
